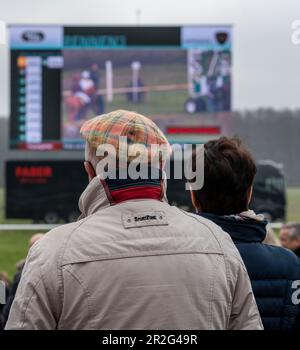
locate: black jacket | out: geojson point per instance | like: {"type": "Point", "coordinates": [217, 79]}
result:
{"type": "Point", "coordinates": [272, 270]}
{"type": "Point", "coordinates": [9, 300]}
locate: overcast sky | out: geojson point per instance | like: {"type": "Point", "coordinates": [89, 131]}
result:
{"type": "Point", "coordinates": [266, 65]}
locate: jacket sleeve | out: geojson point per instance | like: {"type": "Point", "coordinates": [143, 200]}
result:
{"type": "Point", "coordinates": [32, 308]}
{"type": "Point", "coordinates": [244, 311]}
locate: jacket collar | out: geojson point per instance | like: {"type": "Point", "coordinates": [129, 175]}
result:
{"type": "Point", "coordinates": [100, 193]}
{"type": "Point", "coordinates": [245, 227]}
{"type": "Point", "coordinates": [297, 252]}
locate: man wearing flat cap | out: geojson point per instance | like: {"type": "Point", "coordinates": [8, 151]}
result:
{"type": "Point", "coordinates": [132, 261]}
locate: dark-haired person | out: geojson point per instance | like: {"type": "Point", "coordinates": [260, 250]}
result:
{"type": "Point", "coordinates": [229, 170]}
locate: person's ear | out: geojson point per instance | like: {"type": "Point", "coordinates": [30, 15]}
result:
{"type": "Point", "coordinates": [90, 170]}
{"type": "Point", "coordinates": [195, 201]}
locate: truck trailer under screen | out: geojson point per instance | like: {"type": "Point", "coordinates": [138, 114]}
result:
{"type": "Point", "coordinates": [49, 190]}
{"type": "Point", "coordinates": [44, 190]}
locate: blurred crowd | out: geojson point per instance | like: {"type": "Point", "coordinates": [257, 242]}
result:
{"type": "Point", "coordinates": [11, 286]}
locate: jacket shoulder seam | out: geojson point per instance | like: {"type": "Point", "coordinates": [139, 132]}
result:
{"type": "Point", "coordinates": [193, 216]}
{"type": "Point", "coordinates": [59, 264]}
{"type": "Point", "coordinates": [26, 304]}
{"type": "Point", "coordinates": [85, 289]}
{"type": "Point", "coordinates": [139, 255]}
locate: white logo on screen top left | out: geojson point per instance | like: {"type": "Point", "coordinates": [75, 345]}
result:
{"type": "Point", "coordinates": [3, 35]}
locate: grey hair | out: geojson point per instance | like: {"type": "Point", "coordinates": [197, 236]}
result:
{"type": "Point", "coordinates": [293, 230]}
{"type": "Point", "coordinates": [90, 155]}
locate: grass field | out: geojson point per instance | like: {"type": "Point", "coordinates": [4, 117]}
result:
{"type": "Point", "coordinates": [293, 210]}
{"type": "Point", "coordinates": [13, 247]}
{"type": "Point", "coordinates": [156, 103]}
{"type": "Point", "coordinates": [14, 244]}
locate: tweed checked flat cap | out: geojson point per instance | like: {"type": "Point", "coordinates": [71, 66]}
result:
{"type": "Point", "coordinates": [107, 128]}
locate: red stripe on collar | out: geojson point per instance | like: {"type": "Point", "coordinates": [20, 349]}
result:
{"type": "Point", "coordinates": [141, 192]}
{"type": "Point", "coordinates": [130, 193]}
